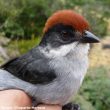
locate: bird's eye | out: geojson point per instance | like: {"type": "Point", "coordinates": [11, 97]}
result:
{"type": "Point", "coordinates": [64, 35]}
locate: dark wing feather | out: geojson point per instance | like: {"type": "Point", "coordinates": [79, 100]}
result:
{"type": "Point", "coordinates": [38, 72]}
{"type": "Point", "coordinates": [32, 67]}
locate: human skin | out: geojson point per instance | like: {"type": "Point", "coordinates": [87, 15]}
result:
{"type": "Point", "coordinates": [17, 98]}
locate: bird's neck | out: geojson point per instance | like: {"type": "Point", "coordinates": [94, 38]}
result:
{"type": "Point", "coordinates": [65, 51]}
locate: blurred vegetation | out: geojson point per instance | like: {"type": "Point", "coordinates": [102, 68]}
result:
{"type": "Point", "coordinates": [22, 21]}
{"type": "Point", "coordinates": [23, 45]}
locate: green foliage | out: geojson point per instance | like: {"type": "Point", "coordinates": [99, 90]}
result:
{"type": "Point", "coordinates": [24, 18]}
{"type": "Point", "coordinates": [95, 90]}
{"type": "Point", "coordinates": [84, 104]}
{"type": "Point", "coordinates": [24, 45]}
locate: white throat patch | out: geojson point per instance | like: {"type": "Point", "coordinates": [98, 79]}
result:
{"type": "Point", "coordinates": [65, 49]}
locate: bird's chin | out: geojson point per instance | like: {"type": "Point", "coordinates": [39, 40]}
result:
{"type": "Point", "coordinates": [82, 48]}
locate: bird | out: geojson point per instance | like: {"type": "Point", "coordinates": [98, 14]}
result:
{"type": "Point", "coordinates": [53, 71]}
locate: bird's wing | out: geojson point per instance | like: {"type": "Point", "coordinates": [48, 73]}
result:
{"type": "Point", "coordinates": [32, 67]}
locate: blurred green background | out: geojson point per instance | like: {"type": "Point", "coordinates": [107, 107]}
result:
{"type": "Point", "coordinates": [21, 25]}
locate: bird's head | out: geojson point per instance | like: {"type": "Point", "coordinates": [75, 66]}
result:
{"type": "Point", "coordinates": [65, 31]}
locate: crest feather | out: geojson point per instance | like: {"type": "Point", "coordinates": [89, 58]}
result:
{"type": "Point", "coordinates": [67, 17]}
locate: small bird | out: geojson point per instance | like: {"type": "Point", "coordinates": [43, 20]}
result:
{"type": "Point", "coordinates": [53, 71]}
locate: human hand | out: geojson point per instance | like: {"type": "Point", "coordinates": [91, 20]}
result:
{"type": "Point", "coordinates": [14, 98]}
{"type": "Point", "coordinates": [17, 98]}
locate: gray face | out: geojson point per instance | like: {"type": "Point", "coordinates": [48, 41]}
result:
{"type": "Point", "coordinates": [62, 39]}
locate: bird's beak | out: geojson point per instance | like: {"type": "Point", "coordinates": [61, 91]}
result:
{"type": "Point", "coordinates": [88, 37]}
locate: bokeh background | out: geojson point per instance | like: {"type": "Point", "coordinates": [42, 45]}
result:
{"type": "Point", "coordinates": [21, 24]}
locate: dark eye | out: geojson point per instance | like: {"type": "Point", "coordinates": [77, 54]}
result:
{"type": "Point", "coordinates": [64, 35]}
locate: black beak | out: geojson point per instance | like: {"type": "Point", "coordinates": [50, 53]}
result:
{"type": "Point", "coordinates": [88, 37]}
